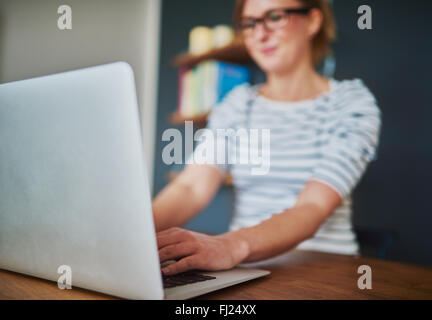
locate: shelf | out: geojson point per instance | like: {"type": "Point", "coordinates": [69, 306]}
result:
{"type": "Point", "coordinates": [176, 118]}
{"type": "Point", "coordinates": [233, 53]}
{"type": "Point", "coordinates": [173, 174]}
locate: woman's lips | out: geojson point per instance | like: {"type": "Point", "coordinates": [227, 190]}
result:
{"type": "Point", "coordinates": [268, 50]}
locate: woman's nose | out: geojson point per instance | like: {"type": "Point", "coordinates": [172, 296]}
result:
{"type": "Point", "coordinates": [260, 32]}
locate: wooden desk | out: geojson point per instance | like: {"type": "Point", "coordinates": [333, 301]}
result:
{"type": "Point", "coordinates": [298, 275]}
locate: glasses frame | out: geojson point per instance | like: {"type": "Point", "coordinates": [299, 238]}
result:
{"type": "Point", "coordinates": [265, 17]}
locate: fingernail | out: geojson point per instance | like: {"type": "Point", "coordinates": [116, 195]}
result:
{"type": "Point", "coordinates": [165, 270]}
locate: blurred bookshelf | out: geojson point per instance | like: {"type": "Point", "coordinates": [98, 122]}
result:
{"type": "Point", "coordinates": [200, 120]}
{"type": "Point", "coordinates": [205, 78]}
{"type": "Point", "coordinates": [233, 53]}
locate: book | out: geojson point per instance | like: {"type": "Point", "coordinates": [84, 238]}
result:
{"type": "Point", "coordinates": [206, 84]}
{"type": "Point", "coordinates": [229, 76]}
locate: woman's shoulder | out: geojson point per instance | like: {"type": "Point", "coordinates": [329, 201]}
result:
{"type": "Point", "coordinates": [236, 98]}
{"type": "Point", "coordinates": [353, 87]}
{"type": "Point", "coordinates": [353, 92]}
{"type": "Point", "coordinates": [231, 108]}
{"type": "Point", "coordinates": [239, 93]}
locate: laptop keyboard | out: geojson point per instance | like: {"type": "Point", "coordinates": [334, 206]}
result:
{"type": "Point", "coordinates": [184, 278]}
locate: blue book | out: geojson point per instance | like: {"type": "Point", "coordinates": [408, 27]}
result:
{"type": "Point", "coordinates": [206, 84]}
{"type": "Point", "coordinates": [229, 76]}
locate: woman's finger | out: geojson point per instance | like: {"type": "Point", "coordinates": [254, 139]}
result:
{"type": "Point", "coordinates": [168, 237]}
{"type": "Point", "coordinates": [169, 231]}
{"type": "Point", "coordinates": [185, 264]}
{"type": "Point", "coordinates": [175, 251]}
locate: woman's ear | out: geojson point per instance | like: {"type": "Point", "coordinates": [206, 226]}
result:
{"type": "Point", "coordinates": [315, 21]}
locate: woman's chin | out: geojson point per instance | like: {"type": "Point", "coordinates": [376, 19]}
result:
{"type": "Point", "coordinates": [274, 67]}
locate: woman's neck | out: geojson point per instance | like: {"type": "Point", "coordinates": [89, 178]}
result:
{"type": "Point", "coordinates": [302, 83]}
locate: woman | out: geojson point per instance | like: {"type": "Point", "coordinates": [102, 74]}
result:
{"type": "Point", "coordinates": [323, 134]}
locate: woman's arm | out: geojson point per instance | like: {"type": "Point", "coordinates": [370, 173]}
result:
{"type": "Point", "coordinates": [186, 196]}
{"type": "Point", "coordinates": [286, 230]}
{"type": "Point", "coordinates": [276, 235]}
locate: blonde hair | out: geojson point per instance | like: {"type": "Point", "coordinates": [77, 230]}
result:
{"type": "Point", "coordinates": [321, 43]}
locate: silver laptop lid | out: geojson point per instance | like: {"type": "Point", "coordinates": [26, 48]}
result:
{"type": "Point", "coordinates": [73, 186]}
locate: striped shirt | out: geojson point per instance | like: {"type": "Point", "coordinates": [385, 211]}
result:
{"type": "Point", "coordinates": [330, 139]}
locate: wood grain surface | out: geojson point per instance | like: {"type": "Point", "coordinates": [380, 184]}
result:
{"type": "Point", "coordinates": [296, 275]}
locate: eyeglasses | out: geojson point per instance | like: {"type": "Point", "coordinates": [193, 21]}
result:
{"type": "Point", "coordinates": [272, 20]}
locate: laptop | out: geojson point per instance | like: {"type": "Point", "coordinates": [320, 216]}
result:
{"type": "Point", "coordinates": [74, 190]}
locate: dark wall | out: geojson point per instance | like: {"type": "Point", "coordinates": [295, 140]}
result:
{"type": "Point", "coordinates": [394, 60]}
{"type": "Point", "coordinates": [178, 18]}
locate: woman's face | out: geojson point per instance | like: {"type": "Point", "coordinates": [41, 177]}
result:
{"type": "Point", "coordinates": [279, 50]}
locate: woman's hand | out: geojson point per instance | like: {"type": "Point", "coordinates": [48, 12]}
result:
{"type": "Point", "coordinates": [199, 251]}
